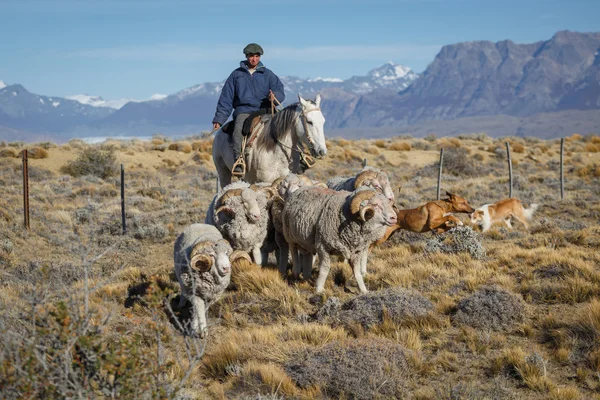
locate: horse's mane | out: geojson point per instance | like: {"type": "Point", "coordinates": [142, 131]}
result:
{"type": "Point", "coordinates": [279, 126]}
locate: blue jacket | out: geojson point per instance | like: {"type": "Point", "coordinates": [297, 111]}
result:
{"type": "Point", "coordinates": [247, 92]}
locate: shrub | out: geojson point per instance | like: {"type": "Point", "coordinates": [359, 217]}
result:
{"type": "Point", "coordinates": [590, 148]}
{"type": "Point", "coordinates": [8, 152]}
{"type": "Point", "coordinates": [400, 146]}
{"type": "Point", "coordinates": [459, 239]}
{"type": "Point", "coordinates": [355, 369]}
{"type": "Point", "coordinates": [518, 148]}
{"type": "Point", "coordinates": [458, 163]}
{"type": "Point", "coordinates": [371, 308]}
{"type": "Point", "coordinates": [380, 143]}
{"type": "Point", "coordinates": [37, 153]}
{"type": "Point", "coordinates": [93, 161]}
{"type": "Point", "coordinates": [490, 308]}
{"type": "Point", "coordinates": [183, 147]}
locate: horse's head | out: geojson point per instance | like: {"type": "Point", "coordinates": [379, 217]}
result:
{"type": "Point", "coordinates": [312, 124]}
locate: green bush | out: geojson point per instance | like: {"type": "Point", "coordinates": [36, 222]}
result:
{"type": "Point", "coordinates": [100, 162]}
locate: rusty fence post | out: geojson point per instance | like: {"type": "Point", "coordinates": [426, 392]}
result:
{"type": "Point", "coordinates": [562, 172]}
{"type": "Point", "coordinates": [123, 200]}
{"type": "Point", "coordinates": [25, 190]}
{"type": "Point", "coordinates": [510, 174]}
{"type": "Point", "coordinates": [439, 183]}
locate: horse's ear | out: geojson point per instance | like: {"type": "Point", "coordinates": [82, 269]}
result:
{"type": "Point", "coordinates": [318, 100]}
{"type": "Point", "coordinates": [302, 101]}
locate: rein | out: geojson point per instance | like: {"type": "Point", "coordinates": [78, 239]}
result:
{"type": "Point", "coordinates": [304, 153]}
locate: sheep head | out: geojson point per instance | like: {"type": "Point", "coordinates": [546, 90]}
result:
{"type": "Point", "coordinates": [250, 200]}
{"type": "Point", "coordinates": [205, 255]}
{"type": "Point", "coordinates": [370, 205]}
{"type": "Point", "coordinates": [377, 179]}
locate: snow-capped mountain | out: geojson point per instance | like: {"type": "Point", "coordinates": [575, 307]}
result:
{"type": "Point", "coordinates": [2, 84]}
{"type": "Point", "coordinates": [97, 101]}
{"type": "Point", "coordinates": [23, 110]}
{"type": "Point", "coordinates": [390, 76]}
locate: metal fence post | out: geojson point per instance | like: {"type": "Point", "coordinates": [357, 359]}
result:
{"type": "Point", "coordinates": [123, 200]}
{"type": "Point", "coordinates": [439, 183]}
{"type": "Point", "coordinates": [510, 174]}
{"type": "Point", "coordinates": [562, 175]}
{"type": "Point", "coordinates": [25, 190]}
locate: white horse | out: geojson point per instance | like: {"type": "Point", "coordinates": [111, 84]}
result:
{"type": "Point", "coordinates": [277, 150]}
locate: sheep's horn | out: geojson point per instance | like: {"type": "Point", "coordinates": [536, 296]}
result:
{"type": "Point", "coordinates": [321, 185]}
{"type": "Point", "coordinates": [270, 191]}
{"type": "Point", "coordinates": [362, 177]}
{"type": "Point", "coordinates": [201, 262]}
{"type": "Point", "coordinates": [277, 182]}
{"type": "Point", "coordinates": [225, 209]}
{"type": "Point", "coordinates": [363, 213]}
{"type": "Point", "coordinates": [359, 197]}
{"type": "Point", "coordinates": [239, 254]}
{"type": "Point", "coordinates": [306, 180]}
{"type": "Point", "coordinates": [228, 194]}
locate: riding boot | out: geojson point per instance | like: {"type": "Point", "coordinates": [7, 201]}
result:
{"type": "Point", "coordinates": [238, 138]}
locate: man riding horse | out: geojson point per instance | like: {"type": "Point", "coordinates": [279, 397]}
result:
{"type": "Point", "coordinates": [249, 88]}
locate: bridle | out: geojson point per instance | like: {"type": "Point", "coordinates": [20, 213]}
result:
{"type": "Point", "coordinates": [305, 158]}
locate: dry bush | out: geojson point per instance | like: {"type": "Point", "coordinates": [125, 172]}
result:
{"type": "Point", "coordinates": [457, 240]}
{"type": "Point", "coordinates": [9, 152]}
{"type": "Point", "coordinates": [184, 147]}
{"type": "Point", "coordinates": [518, 148]}
{"type": "Point", "coordinates": [372, 308]}
{"type": "Point", "coordinates": [380, 143]}
{"type": "Point", "coordinates": [590, 148]}
{"type": "Point", "coordinates": [373, 150]}
{"type": "Point", "coordinates": [204, 146]}
{"type": "Point", "coordinates": [490, 308]}
{"type": "Point", "coordinates": [157, 141]}
{"type": "Point", "coordinates": [358, 369]}
{"type": "Point", "coordinates": [400, 146]}
{"type": "Point", "coordinates": [530, 369]}
{"type": "Point", "coordinates": [94, 161]}
{"type": "Point", "coordinates": [574, 137]}
{"type": "Point", "coordinates": [452, 143]}
{"type": "Point", "coordinates": [595, 139]}
{"type": "Point", "coordinates": [37, 153]}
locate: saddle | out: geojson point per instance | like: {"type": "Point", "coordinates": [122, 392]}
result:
{"type": "Point", "coordinates": [249, 123]}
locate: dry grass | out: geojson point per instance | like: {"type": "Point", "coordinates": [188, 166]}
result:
{"type": "Point", "coordinates": [264, 323]}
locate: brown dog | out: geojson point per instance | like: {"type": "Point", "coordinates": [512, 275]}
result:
{"type": "Point", "coordinates": [502, 211]}
{"type": "Point", "coordinates": [433, 216]}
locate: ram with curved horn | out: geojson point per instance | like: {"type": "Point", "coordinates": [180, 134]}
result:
{"type": "Point", "coordinates": [202, 261]}
{"type": "Point", "coordinates": [240, 213]}
{"type": "Point", "coordinates": [369, 177]}
{"type": "Point", "coordinates": [328, 222]}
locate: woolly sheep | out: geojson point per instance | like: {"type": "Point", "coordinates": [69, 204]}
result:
{"type": "Point", "coordinates": [239, 211]}
{"type": "Point", "coordinates": [368, 176]}
{"type": "Point", "coordinates": [203, 268]}
{"type": "Point", "coordinates": [285, 187]}
{"type": "Point", "coordinates": [325, 222]}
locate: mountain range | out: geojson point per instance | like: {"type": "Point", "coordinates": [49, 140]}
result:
{"type": "Point", "coordinates": [500, 88]}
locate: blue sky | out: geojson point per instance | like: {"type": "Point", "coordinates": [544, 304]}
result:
{"type": "Point", "coordinates": [135, 48]}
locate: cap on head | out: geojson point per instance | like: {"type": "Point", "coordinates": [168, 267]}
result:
{"type": "Point", "coordinates": [253, 48]}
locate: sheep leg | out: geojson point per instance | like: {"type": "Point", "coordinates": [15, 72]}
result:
{"type": "Point", "coordinates": [283, 259]}
{"type": "Point", "coordinates": [296, 266]}
{"type": "Point", "coordinates": [324, 266]}
{"type": "Point", "coordinates": [198, 317]}
{"type": "Point", "coordinates": [257, 255]}
{"type": "Point", "coordinates": [307, 263]}
{"type": "Point", "coordinates": [356, 263]}
{"type": "Point", "coordinates": [363, 263]}
{"type": "Point", "coordinates": [265, 257]}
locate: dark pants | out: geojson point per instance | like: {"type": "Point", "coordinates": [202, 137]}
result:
{"type": "Point", "coordinates": [237, 135]}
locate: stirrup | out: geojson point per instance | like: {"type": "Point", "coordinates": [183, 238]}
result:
{"type": "Point", "coordinates": [239, 161]}
{"type": "Point", "coordinates": [307, 160]}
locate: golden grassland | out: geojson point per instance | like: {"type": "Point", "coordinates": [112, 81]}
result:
{"type": "Point", "coordinates": [263, 322]}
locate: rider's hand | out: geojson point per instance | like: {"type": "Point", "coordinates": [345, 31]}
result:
{"type": "Point", "coordinates": [271, 95]}
{"type": "Point", "coordinates": [216, 126]}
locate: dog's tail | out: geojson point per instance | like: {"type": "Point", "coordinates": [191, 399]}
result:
{"type": "Point", "coordinates": [529, 211]}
